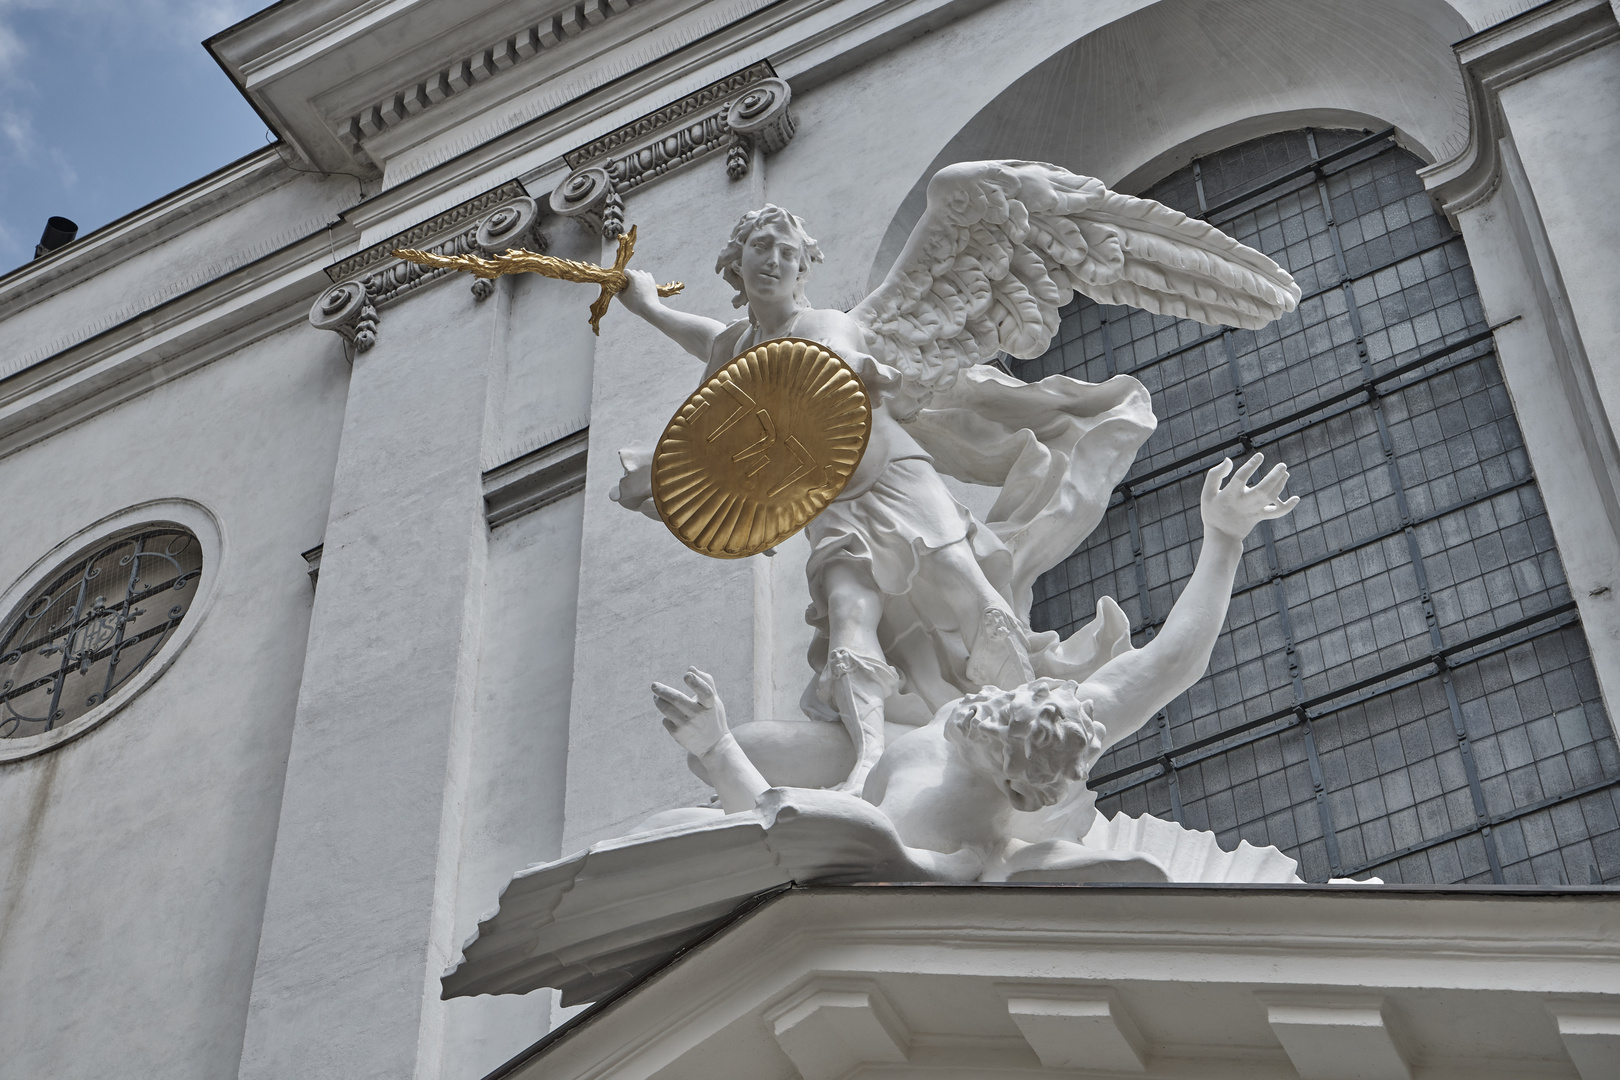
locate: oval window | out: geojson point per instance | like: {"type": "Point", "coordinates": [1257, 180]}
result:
{"type": "Point", "coordinates": [94, 624]}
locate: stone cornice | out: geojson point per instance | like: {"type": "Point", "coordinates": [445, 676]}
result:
{"type": "Point", "coordinates": [161, 343]}
{"type": "Point", "coordinates": [1495, 58]}
{"type": "Point", "coordinates": [808, 40]}
{"type": "Point", "coordinates": [538, 478]}
{"type": "Point", "coordinates": [962, 949]}
{"type": "Point", "coordinates": [217, 193]}
{"type": "Point", "coordinates": [532, 41]}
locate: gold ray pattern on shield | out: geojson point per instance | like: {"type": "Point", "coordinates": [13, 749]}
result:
{"type": "Point", "coordinates": [761, 448]}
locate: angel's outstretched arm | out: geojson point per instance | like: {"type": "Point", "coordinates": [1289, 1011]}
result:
{"type": "Point", "coordinates": [694, 333]}
{"type": "Point", "coordinates": [1135, 685]}
{"type": "Point", "coordinates": [698, 722]}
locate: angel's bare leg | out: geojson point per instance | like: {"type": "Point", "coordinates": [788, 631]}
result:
{"type": "Point", "coordinates": [857, 679]}
{"type": "Point", "coordinates": [990, 630]}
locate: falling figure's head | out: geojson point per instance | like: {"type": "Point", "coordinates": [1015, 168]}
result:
{"type": "Point", "coordinates": [769, 254]}
{"type": "Point", "coordinates": [1034, 742]}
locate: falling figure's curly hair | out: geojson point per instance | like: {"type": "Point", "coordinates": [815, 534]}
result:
{"type": "Point", "coordinates": [1034, 746]}
{"type": "Point", "coordinates": [729, 265]}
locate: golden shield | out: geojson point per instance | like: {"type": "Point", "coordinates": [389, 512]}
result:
{"type": "Point", "coordinates": [761, 448]}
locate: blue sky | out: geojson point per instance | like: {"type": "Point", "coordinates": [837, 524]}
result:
{"type": "Point", "coordinates": [106, 105]}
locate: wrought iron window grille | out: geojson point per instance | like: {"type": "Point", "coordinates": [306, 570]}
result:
{"type": "Point", "coordinates": [92, 626]}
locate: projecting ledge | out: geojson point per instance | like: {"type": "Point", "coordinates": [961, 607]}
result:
{"type": "Point", "coordinates": [1159, 981]}
{"type": "Point", "coordinates": [536, 479]}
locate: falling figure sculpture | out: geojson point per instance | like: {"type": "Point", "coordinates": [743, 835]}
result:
{"type": "Point", "coordinates": [947, 791]}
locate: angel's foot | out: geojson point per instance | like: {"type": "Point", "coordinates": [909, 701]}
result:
{"type": "Point", "coordinates": [999, 657]}
{"type": "Point", "coordinates": [857, 686]}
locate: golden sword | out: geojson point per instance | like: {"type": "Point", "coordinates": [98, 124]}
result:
{"type": "Point", "coordinates": [612, 279]}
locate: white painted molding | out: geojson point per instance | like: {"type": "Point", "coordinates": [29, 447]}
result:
{"type": "Point", "coordinates": [160, 344]}
{"type": "Point", "coordinates": [813, 37]}
{"type": "Point", "coordinates": [829, 1027]}
{"type": "Point", "coordinates": [218, 193]}
{"type": "Point", "coordinates": [1085, 1027]}
{"type": "Point", "coordinates": [1189, 959]}
{"type": "Point", "coordinates": [202, 523]}
{"type": "Point", "coordinates": [1542, 37]}
{"type": "Point", "coordinates": [531, 41]}
{"type": "Point", "coordinates": [538, 478]}
{"type": "Point", "coordinates": [1333, 1037]}
{"type": "Point", "coordinates": [323, 78]}
{"type": "Point", "coordinates": [1591, 1033]}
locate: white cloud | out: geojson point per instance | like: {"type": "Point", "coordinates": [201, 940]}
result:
{"type": "Point", "coordinates": [65, 172]}
{"type": "Point", "coordinates": [178, 23]}
{"type": "Point", "coordinates": [18, 130]}
{"type": "Point", "coordinates": [12, 52]}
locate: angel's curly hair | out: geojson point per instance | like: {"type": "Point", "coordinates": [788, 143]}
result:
{"type": "Point", "coordinates": [729, 265]}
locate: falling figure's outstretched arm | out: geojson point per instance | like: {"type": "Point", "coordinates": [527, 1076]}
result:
{"type": "Point", "coordinates": [1135, 685]}
{"type": "Point", "coordinates": [698, 722]}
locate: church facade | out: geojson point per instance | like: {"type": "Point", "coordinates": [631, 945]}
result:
{"type": "Point", "coordinates": [320, 623]}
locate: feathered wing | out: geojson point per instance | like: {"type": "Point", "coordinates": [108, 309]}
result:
{"type": "Point", "coordinates": [1004, 244]}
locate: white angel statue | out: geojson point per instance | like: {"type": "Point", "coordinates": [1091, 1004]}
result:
{"type": "Point", "coordinates": [915, 601]}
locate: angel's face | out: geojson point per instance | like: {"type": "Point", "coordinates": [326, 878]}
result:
{"type": "Point", "coordinates": [771, 263]}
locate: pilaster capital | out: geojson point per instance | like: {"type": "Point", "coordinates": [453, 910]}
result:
{"type": "Point", "coordinates": [501, 218]}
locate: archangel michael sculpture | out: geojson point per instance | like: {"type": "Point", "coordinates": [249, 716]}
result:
{"type": "Point", "coordinates": [945, 739]}
{"type": "Point", "coordinates": [915, 601]}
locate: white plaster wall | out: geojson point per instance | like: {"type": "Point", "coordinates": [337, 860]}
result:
{"type": "Point", "coordinates": [360, 909]}
{"type": "Point", "coordinates": [1541, 249]}
{"type": "Point", "coordinates": [133, 860]}
{"type": "Point", "coordinates": [1566, 126]}
{"type": "Point", "coordinates": [541, 388]}
{"type": "Point", "coordinates": [519, 758]}
{"type": "Point", "coordinates": [648, 606]}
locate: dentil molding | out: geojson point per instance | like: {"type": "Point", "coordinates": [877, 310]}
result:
{"type": "Point", "coordinates": [484, 64]}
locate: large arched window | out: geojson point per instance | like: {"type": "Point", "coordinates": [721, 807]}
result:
{"type": "Point", "coordinates": [1403, 687]}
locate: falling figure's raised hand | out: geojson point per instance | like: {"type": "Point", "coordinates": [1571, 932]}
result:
{"type": "Point", "coordinates": [1235, 508]}
{"type": "Point", "coordinates": [696, 720]}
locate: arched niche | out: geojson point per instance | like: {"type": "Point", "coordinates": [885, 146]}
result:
{"type": "Point", "coordinates": [1138, 98]}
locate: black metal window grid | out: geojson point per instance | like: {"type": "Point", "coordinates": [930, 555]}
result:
{"type": "Point", "coordinates": [1403, 686]}
{"type": "Point", "coordinates": [92, 626]}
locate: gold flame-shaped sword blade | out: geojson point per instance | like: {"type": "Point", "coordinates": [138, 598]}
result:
{"type": "Point", "coordinates": [612, 279]}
